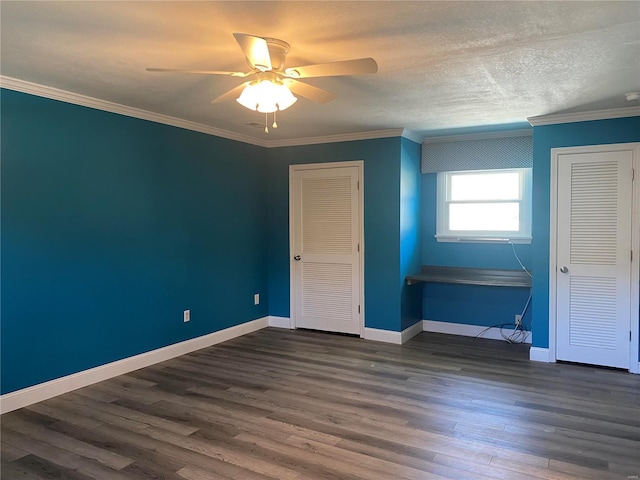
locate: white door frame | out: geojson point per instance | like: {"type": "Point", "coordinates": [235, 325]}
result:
{"type": "Point", "coordinates": [634, 365]}
{"type": "Point", "coordinates": [292, 286]}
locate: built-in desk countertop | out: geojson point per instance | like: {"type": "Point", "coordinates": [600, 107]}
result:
{"type": "Point", "coordinates": [471, 276]}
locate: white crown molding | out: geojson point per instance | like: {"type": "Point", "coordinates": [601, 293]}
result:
{"type": "Point", "coordinates": [343, 137]}
{"type": "Point", "coordinates": [23, 86]}
{"type": "Point", "coordinates": [413, 136]}
{"type": "Point", "coordinates": [85, 101]}
{"type": "Point", "coordinates": [523, 132]}
{"type": "Point", "coordinates": [554, 119]}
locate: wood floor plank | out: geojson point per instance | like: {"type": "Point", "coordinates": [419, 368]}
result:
{"type": "Point", "coordinates": [175, 452]}
{"type": "Point", "coordinates": [194, 473]}
{"type": "Point", "coordinates": [137, 417]}
{"type": "Point", "coordinates": [517, 469]}
{"type": "Point", "coordinates": [70, 405]}
{"type": "Point", "coordinates": [224, 453]}
{"type": "Point", "coordinates": [16, 471]}
{"type": "Point", "coordinates": [87, 466]}
{"type": "Point", "coordinates": [278, 453]}
{"type": "Point", "coordinates": [374, 464]}
{"type": "Point", "coordinates": [144, 462]}
{"type": "Point", "coordinates": [9, 453]}
{"type": "Point", "coordinates": [44, 469]}
{"type": "Point", "coordinates": [303, 405]}
{"type": "Point", "coordinates": [110, 459]}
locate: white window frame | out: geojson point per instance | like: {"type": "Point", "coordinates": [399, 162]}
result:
{"type": "Point", "coordinates": [444, 234]}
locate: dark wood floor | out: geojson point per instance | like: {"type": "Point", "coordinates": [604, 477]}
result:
{"type": "Point", "coordinates": [306, 405]}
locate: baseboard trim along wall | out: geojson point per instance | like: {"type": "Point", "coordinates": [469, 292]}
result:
{"type": "Point", "coordinates": [37, 393]}
{"type": "Point", "coordinates": [410, 332]}
{"type": "Point", "coordinates": [388, 336]}
{"type": "Point", "coordinates": [374, 334]}
{"type": "Point", "coordinates": [279, 322]}
{"type": "Point", "coordinates": [468, 330]}
{"type": "Point", "coordinates": [537, 354]}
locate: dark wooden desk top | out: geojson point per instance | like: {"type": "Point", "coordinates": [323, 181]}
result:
{"type": "Point", "coordinates": [470, 276]}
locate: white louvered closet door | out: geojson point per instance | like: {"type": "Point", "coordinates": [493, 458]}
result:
{"type": "Point", "coordinates": [594, 258]}
{"type": "Point", "coordinates": [325, 245]}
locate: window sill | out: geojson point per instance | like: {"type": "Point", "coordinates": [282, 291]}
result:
{"type": "Point", "coordinates": [471, 239]}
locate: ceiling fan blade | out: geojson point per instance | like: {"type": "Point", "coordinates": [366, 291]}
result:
{"type": "Point", "coordinates": [231, 94]}
{"type": "Point", "coordinates": [203, 72]}
{"type": "Point", "coordinates": [358, 66]}
{"type": "Point", "coordinates": [256, 50]}
{"type": "Point", "coordinates": [309, 91]}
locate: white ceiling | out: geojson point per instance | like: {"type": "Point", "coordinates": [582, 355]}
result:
{"type": "Point", "coordinates": [442, 65]}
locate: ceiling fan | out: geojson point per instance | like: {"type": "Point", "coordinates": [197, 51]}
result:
{"type": "Point", "coordinates": [270, 86]}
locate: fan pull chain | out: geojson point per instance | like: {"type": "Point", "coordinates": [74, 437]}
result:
{"type": "Point", "coordinates": [275, 125]}
{"type": "Point", "coordinates": [266, 120]}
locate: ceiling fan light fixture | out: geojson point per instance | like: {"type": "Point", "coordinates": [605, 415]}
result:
{"type": "Point", "coordinates": [266, 96]}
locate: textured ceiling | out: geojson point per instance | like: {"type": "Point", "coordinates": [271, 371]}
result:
{"type": "Point", "coordinates": [442, 65]}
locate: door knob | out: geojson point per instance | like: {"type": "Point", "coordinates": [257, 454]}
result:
{"type": "Point", "coordinates": [564, 269]}
{"type": "Point", "coordinates": [297, 258]}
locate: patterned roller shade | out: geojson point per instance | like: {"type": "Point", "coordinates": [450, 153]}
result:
{"type": "Point", "coordinates": [477, 154]}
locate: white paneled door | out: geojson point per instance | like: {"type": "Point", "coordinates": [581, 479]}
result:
{"type": "Point", "coordinates": [326, 257]}
{"type": "Point", "coordinates": [593, 263]}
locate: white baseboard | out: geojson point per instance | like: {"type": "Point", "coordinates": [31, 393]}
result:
{"type": "Point", "coordinates": [279, 322]}
{"type": "Point", "coordinates": [386, 336]}
{"type": "Point", "coordinates": [468, 330]}
{"type": "Point", "coordinates": [410, 332]}
{"type": "Point", "coordinates": [37, 393]}
{"type": "Point", "coordinates": [537, 354]}
{"type": "Point", "coordinates": [374, 334]}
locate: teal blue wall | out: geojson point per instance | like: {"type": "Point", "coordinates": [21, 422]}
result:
{"type": "Point", "coordinates": [468, 304]}
{"type": "Point", "coordinates": [621, 130]}
{"type": "Point", "coordinates": [381, 223]}
{"type": "Point", "coordinates": [410, 248]}
{"type": "Point", "coordinates": [111, 227]}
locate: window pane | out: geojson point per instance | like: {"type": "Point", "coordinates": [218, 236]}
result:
{"type": "Point", "coordinates": [485, 186]}
{"type": "Point", "coordinates": [484, 217]}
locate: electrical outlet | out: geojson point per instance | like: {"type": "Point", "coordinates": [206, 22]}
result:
{"type": "Point", "coordinates": [186, 316]}
{"type": "Point", "coordinates": [518, 320]}
{"type": "Point", "coordinates": [256, 299]}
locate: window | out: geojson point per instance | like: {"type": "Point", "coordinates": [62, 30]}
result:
{"type": "Point", "coordinates": [484, 205]}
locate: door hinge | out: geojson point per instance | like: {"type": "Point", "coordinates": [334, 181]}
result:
{"type": "Point", "coordinates": [358, 308]}
{"type": "Point", "coordinates": [357, 184]}
{"type": "Point", "coordinates": [358, 247]}
{"type": "Point", "coordinates": [632, 255]}
{"type": "Point", "coordinates": [629, 335]}
{"type": "Point", "coordinates": [633, 174]}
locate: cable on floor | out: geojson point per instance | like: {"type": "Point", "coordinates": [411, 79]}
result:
{"type": "Point", "coordinates": [519, 334]}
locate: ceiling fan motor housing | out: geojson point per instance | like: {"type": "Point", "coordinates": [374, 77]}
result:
{"type": "Point", "coordinates": [278, 50]}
